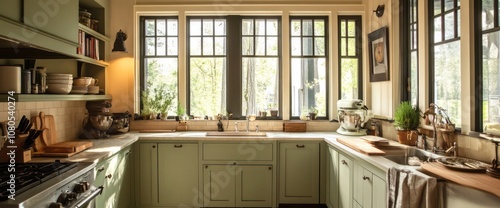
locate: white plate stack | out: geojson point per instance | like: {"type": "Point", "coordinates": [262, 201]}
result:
{"type": "Point", "coordinates": [59, 83]}
{"type": "Point", "coordinates": [93, 90]}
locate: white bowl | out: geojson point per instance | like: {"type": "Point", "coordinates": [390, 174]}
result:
{"type": "Point", "coordinates": [80, 88]}
{"type": "Point", "coordinates": [82, 81]}
{"type": "Point", "coordinates": [59, 88]}
{"type": "Point", "coordinates": [59, 75]}
{"type": "Point", "coordinates": [59, 81]}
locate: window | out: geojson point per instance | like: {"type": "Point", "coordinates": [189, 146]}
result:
{"type": "Point", "coordinates": [489, 99]}
{"type": "Point", "coordinates": [409, 45]}
{"type": "Point", "coordinates": [445, 79]}
{"type": "Point", "coordinates": [309, 63]}
{"type": "Point", "coordinates": [350, 57]}
{"type": "Point", "coordinates": [159, 55]}
{"type": "Point", "coordinates": [234, 65]}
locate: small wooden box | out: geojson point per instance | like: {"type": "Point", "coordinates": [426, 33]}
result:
{"type": "Point", "coordinates": [181, 126]}
{"type": "Point", "coordinates": [21, 155]}
{"type": "Point", "coordinates": [296, 126]}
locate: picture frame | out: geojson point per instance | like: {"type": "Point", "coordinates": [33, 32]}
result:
{"type": "Point", "coordinates": [378, 47]}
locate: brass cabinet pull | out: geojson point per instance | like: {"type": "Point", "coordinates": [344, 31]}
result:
{"type": "Point", "coordinates": [177, 145]}
{"type": "Point", "coordinates": [366, 178]}
{"type": "Point", "coordinates": [344, 162]}
{"type": "Point", "coordinates": [100, 169]}
{"type": "Point", "coordinates": [270, 168]}
{"type": "Point", "coordinates": [154, 146]}
{"type": "Point", "coordinates": [300, 146]}
{"type": "Point", "coordinates": [109, 176]}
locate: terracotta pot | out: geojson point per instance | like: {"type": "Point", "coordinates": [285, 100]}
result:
{"type": "Point", "coordinates": [406, 137]}
{"type": "Point", "coordinates": [274, 113]}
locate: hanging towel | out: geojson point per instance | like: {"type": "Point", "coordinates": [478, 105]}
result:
{"type": "Point", "coordinates": [408, 188]}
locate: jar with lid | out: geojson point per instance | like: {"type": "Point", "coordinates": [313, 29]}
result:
{"type": "Point", "coordinates": [26, 81]}
{"type": "Point", "coordinates": [84, 17]}
{"type": "Point", "coordinates": [94, 24]}
{"type": "Point", "coordinates": [41, 76]}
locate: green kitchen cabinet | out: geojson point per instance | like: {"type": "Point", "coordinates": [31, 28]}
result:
{"type": "Point", "coordinates": [11, 9]}
{"type": "Point", "coordinates": [369, 188]}
{"type": "Point", "coordinates": [114, 175]}
{"type": "Point", "coordinates": [235, 185]}
{"type": "Point", "coordinates": [346, 167]}
{"type": "Point", "coordinates": [332, 178]}
{"type": "Point", "coordinates": [177, 174]}
{"type": "Point", "coordinates": [299, 172]}
{"type": "Point", "coordinates": [146, 175]}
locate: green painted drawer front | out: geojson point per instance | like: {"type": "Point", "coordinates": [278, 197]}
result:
{"type": "Point", "coordinates": [244, 151]}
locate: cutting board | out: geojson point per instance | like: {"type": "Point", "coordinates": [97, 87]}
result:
{"type": "Point", "coordinates": [361, 145]}
{"type": "Point", "coordinates": [477, 180]}
{"type": "Point", "coordinates": [68, 147]}
{"type": "Point", "coordinates": [375, 140]}
{"type": "Point", "coordinates": [50, 124]}
{"type": "Point", "coordinates": [157, 131]}
{"type": "Point", "coordinates": [49, 135]}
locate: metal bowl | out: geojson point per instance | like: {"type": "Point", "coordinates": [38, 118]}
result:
{"type": "Point", "coordinates": [101, 122]}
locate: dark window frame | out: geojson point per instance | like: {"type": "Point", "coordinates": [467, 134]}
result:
{"type": "Point", "coordinates": [327, 71]}
{"type": "Point", "coordinates": [233, 62]}
{"type": "Point", "coordinates": [406, 46]}
{"type": "Point", "coordinates": [359, 52]}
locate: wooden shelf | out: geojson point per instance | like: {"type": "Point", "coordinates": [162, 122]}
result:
{"type": "Point", "coordinates": [93, 33]}
{"type": "Point", "coordinates": [89, 60]}
{"type": "Point", "coordinates": [53, 97]}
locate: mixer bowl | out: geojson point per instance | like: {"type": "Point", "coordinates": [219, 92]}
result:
{"type": "Point", "coordinates": [101, 122]}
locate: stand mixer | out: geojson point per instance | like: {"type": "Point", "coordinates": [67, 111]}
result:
{"type": "Point", "coordinates": [353, 115]}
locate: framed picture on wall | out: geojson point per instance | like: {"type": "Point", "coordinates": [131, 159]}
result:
{"type": "Point", "coordinates": [378, 47]}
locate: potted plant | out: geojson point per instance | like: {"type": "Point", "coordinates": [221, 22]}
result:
{"type": "Point", "coordinates": [147, 112]}
{"type": "Point", "coordinates": [407, 119]}
{"type": "Point", "coordinates": [162, 99]}
{"type": "Point", "coordinates": [181, 114]}
{"type": "Point", "coordinates": [273, 109]}
{"type": "Point", "coordinates": [312, 113]}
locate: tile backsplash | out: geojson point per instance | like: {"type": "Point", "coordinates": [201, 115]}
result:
{"type": "Point", "coordinates": [68, 115]}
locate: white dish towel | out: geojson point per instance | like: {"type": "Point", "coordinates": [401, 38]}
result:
{"type": "Point", "coordinates": [412, 189]}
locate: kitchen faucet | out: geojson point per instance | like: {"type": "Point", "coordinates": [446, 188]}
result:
{"type": "Point", "coordinates": [453, 148]}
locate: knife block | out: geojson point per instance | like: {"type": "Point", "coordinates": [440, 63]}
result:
{"type": "Point", "coordinates": [20, 156]}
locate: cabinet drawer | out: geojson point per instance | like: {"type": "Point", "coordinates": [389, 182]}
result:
{"type": "Point", "coordinates": [238, 151]}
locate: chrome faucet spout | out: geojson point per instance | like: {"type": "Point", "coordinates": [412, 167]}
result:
{"type": "Point", "coordinates": [453, 149]}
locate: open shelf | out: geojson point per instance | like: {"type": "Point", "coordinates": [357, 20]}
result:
{"type": "Point", "coordinates": [93, 33]}
{"type": "Point", "coordinates": [53, 97]}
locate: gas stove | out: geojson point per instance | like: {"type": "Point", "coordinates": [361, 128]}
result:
{"type": "Point", "coordinates": [54, 184]}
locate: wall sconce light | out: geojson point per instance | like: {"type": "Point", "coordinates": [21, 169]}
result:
{"type": "Point", "coordinates": [379, 12]}
{"type": "Point", "coordinates": [119, 45]}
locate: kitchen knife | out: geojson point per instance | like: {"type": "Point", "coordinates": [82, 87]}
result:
{"type": "Point", "coordinates": [21, 123]}
{"type": "Point", "coordinates": [26, 129]}
{"type": "Point", "coordinates": [28, 139]}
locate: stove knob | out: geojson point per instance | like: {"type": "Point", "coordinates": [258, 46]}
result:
{"type": "Point", "coordinates": [55, 205]}
{"type": "Point", "coordinates": [81, 187]}
{"type": "Point", "coordinates": [63, 199]}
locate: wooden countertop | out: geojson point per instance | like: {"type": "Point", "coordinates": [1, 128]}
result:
{"type": "Point", "coordinates": [477, 180]}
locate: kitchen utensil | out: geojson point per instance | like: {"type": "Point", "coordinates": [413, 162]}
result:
{"type": "Point", "coordinates": [101, 123]}
{"type": "Point", "coordinates": [462, 164]}
{"type": "Point", "coordinates": [353, 115]}
{"type": "Point", "coordinates": [82, 81]}
{"type": "Point", "coordinates": [21, 123]}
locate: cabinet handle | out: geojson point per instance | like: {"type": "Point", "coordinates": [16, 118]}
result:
{"type": "Point", "coordinates": [206, 166]}
{"type": "Point", "coordinates": [178, 146]}
{"type": "Point", "coordinates": [100, 169]}
{"type": "Point", "coordinates": [366, 178]}
{"type": "Point", "coordinates": [344, 162]}
{"type": "Point", "coordinates": [234, 163]}
{"type": "Point", "coordinates": [270, 168]}
{"type": "Point", "coordinates": [300, 146]}
{"type": "Point", "coordinates": [154, 146]}
{"type": "Point", "coordinates": [109, 176]}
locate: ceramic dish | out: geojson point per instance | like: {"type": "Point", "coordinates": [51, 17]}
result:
{"type": "Point", "coordinates": [59, 88]}
{"type": "Point", "coordinates": [80, 92]}
{"type": "Point", "coordinates": [463, 164]}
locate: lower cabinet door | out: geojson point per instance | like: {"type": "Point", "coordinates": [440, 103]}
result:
{"type": "Point", "coordinates": [345, 181]}
{"type": "Point", "coordinates": [379, 192]}
{"type": "Point", "coordinates": [254, 186]}
{"type": "Point", "coordinates": [332, 180]}
{"type": "Point", "coordinates": [219, 185]}
{"type": "Point", "coordinates": [178, 175]}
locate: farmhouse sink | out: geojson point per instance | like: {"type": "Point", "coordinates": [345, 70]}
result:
{"type": "Point", "coordinates": [401, 156]}
{"type": "Point", "coordinates": [233, 133]}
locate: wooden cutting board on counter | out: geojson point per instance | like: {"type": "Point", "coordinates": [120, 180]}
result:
{"type": "Point", "coordinates": [477, 180]}
{"type": "Point", "coordinates": [49, 135]}
{"type": "Point", "coordinates": [64, 149]}
{"type": "Point", "coordinates": [361, 145]}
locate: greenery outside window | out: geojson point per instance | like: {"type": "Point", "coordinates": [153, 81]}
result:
{"type": "Point", "coordinates": [350, 57]}
{"type": "Point", "coordinates": [159, 55]}
{"type": "Point", "coordinates": [309, 52]}
{"type": "Point", "coordinates": [409, 49]}
{"type": "Point", "coordinates": [445, 78]}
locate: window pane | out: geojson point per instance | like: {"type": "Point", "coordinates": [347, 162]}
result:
{"type": "Point", "coordinates": [437, 7]}
{"type": "Point", "coordinates": [172, 27]}
{"type": "Point", "coordinates": [195, 27]}
{"type": "Point", "coordinates": [260, 27]}
{"type": "Point", "coordinates": [150, 46]}
{"type": "Point", "coordinates": [343, 29]}
{"type": "Point", "coordinates": [437, 30]}
{"type": "Point", "coordinates": [220, 27]}
{"type": "Point", "coordinates": [307, 47]}
{"type": "Point", "coordinates": [295, 27]}
{"type": "Point", "coordinates": [150, 27]}
{"type": "Point", "coordinates": [162, 72]}
{"type": "Point", "coordinates": [296, 46]}
{"type": "Point", "coordinates": [247, 27]}
{"type": "Point", "coordinates": [413, 77]}
{"type": "Point", "coordinates": [247, 46]}
{"type": "Point", "coordinates": [172, 46]}
{"type": "Point", "coordinates": [343, 46]}
{"type": "Point", "coordinates": [161, 27]}
{"type": "Point", "coordinates": [487, 18]}
{"type": "Point", "coordinates": [208, 46]}
{"type": "Point", "coordinates": [260, 46]}
{"type": "Point", "coordinates": [206, 86]}
{"type": "Point", "coordinates": [307, 27]}
{"type": "Point", "coordinates": [413, 37]}
{"type": "Point", "coordinates": [220, 46]}
{"type": "Point", "coordinates": [448, 4]}
{"type": "Point", "coordinates": [160, 47]}
{"type": "Point", "coordinates": [349, 77]}
{"type": "Point", "coordinates": [319, 27]}
{"type": "Point", "coordinates": [491, 78]}
{"type": "Point", "coordinates": [195, 46]}
{"type": "Point", "coordinates": [449, 24]}
{"type": "Point", "coordinates": [272, 46]}
{"type": "Point", "coordinates": [208, 27]}
{"type": "Point", "coordinates": [458, 23]}
{"type": "Point", "coordinates": [319, 46]}
{"type": "Point", "coordinates": [351, 47]}
{"type": "Point", "coordinates": [351, 29]}
{"type": "Point", "coordinates": [308, 87]}
{"type": "Point", "coordinates": [272, 27]}
{"type": "Point", "coordinates": [260, 80]}
{"type": "Point", "coordinates": [447, 86]}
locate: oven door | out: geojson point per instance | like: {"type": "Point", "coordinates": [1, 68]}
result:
{"type": "Point", "coordinates": [88, 200]}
